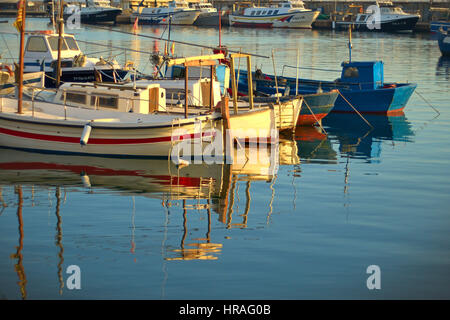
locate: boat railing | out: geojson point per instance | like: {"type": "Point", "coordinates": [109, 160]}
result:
{"type": "Point", "coordinates": [65, 103]}
{"type": "Point", "coordinates": [307, 68]}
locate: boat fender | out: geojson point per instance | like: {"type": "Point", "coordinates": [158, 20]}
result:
{"type": "Point", "coordinates": [85, 180]}
{"type": "Point", "coordinates": [86, 134]}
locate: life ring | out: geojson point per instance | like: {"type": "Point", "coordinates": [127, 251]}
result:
{"type": "Point", "coordinates": [7, 68]}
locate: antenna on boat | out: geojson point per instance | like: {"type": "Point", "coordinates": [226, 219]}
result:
{"type": "Point", "coordinates": [220, 28]}
{"type": "Point", "coordinates": [350, 42]}
{"type": "Point", "coordinates": [20, 25]}
{"type": "Point", "coordinates": [60, 33]}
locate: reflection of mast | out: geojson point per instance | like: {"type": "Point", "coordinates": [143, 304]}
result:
{"type": "Point", "coordinates": [59, 240]}
{"type": "Point", "coordinates": [224, 193]}
{"type": "Point", "coordinates": [197, 250]}
{"type": "Point", "coordinates": [4, 205]}
{"type": "Point", "coordinates": [20, 270]}
{"type": "Point", "coordinates": [133, 227]}
{"type": "Point", "coordinates": [247, 206]}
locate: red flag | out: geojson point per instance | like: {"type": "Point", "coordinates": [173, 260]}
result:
{"type": "Point", "coordinates": [19, 20]}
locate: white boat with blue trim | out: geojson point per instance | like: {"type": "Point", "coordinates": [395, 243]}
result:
{"type": "Point", "coordinates": [177, 12]}
{"type": "Point", "coordinates": [288, 14]}
{"type": "Point", "coordinates": [41, 54]}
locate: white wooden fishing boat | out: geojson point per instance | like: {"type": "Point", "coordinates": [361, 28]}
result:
{"type": "Point", "coordinates": [289, 14]}
{"type": "Point", "coordinates": [54, 128]}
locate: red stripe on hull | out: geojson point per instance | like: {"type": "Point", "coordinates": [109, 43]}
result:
{"type": "Point", "coordinates": [52, 138]}
{"type": "Point", "coordinates": [309, 119]}
{"type": "Point", "coordinates": [96, 171]}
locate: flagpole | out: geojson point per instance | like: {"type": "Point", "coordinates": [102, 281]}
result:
{"type": "Point", "coordinates": [23, 3]}
{"type": "Point", "coordinates": [60, 40]}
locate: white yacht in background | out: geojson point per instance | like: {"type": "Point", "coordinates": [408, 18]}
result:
{"type": "Point", "coordinates": [41, 54]}
{"type": "Point", "coordinates": [288, 14]}
{"type": "Point", "coordinates": [178, 11]}
{"type": "Point", "coordinates": [390, 18]}
{"type": "Point", "coordinates": [209, 16]}
{"type": "Point", "coordinates": [93, 11]}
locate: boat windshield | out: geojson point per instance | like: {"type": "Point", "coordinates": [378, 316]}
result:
{"type": "Point", "coordinates": [53, 41]}
{"type": "Point", "coordinates": [71, 43]}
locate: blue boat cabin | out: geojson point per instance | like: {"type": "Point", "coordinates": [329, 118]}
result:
{"type": "Point", "coordinates": [366, 75]}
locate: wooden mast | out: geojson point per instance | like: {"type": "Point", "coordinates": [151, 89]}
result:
{"type": "Point", "coordinates": [21, 26]}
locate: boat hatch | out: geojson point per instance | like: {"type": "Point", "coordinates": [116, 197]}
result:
{"type": "Point", "coordinates": [368, 75]}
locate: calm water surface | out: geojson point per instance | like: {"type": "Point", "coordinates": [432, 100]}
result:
{"type": "Point", "coordinates": [337, 204]}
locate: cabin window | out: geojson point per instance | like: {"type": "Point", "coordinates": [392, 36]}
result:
{"type": "Point", "coordinates": [258, 12]}
{"type": "Point", "coordinates": [71, 43]}
{"type": "Point", "coordinates": [264, 12]}
{"type": "Point", "coordinates": [269, 12]}
{"type": "Point", "coordinates": [158, 11]}
{"type": "Point", "coordinates": [275, 12]}
{"type": "Point", "coordinates": [105, 101]}
{"type": "Point", "coordinates": [253, 13]}
{"type": "Point", "coordinates": [351, 72]}
{"type": "Point", "coordinates": [75, 97]}
{"type": "Point", "coordinates": [53, 41]}
{"type": "Point", "coordinates": [36, 44]}
{"type": "Point", "coordinates": [178, 72]}
{"type": "Point", "coordinates": [362, 18]}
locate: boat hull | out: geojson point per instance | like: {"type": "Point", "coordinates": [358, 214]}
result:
{"type": "Point", "coordinates": [178, 18]}
{"type": "Point", "coordinates": [444, 44]}
{"type": "Point", "coordinates": [56, 129]}
{"type": "Point", "coordinates": [387, 101]}
{"type": "Point", "coordinates": [402, 24]}
{"type": "Point", "coordinates": [85, 75]}
{"type": "Point", "coordinates": [302, 19]}
{"type": "Point", "coordinates": [435, 26]}
{"type": "Point", "coordinates": [210, 19]}
{"type": "Point", "coordinates": [103, 16]}
{"type": "Point", "coordinates": [319, 104]}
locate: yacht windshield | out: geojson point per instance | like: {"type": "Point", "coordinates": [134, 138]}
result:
{"type": "Point", "coordinates": [71, 43]}
{"type": "Point", "coordinates": [53, 41]}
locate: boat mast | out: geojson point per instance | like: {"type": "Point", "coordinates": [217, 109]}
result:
{"type": "Point", "coordinates": [21, 25]}
{"type": "Point", "coordinates": [60, 39]}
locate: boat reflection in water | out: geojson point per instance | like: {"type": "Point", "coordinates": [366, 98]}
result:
{"type": "Point", "coordinates": [314, 146]}
{"type": "Point", "coordinates": [211, 188]}
{"type": "Point", "coordinates": [357, 140]}
{"type": "Point", "coordinates": [443, 68]}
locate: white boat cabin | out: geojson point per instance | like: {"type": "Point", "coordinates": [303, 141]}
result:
{"type": "Point", "coordinates": [204, 7]}
{"type": "Point", "coordinates": [42, 47]}
{"type": "Point", "coordinates": [281, 8]}
{"type": "Point", "coordinates": [144, 98]}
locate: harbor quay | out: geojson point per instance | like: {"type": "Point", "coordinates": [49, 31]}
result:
{"type": "Point", "coordinates": [332, 10]}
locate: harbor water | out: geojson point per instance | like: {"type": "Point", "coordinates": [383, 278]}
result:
{"type": "Point", "coordinates": [339, 202]}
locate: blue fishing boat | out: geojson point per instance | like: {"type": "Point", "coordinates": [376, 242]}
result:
{"type": "Point", "coordinates": [315, 106]}
{"type": "Point", "coordinates": [444, 42]}
{"type": "Point", "coordinates": [361, 87]}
